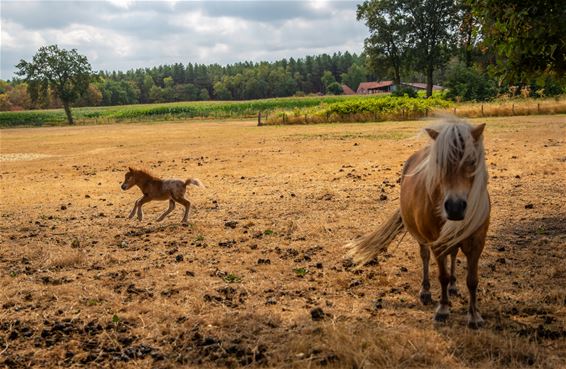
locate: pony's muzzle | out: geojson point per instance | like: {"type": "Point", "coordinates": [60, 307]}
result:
{"type": "Point", "coordinates": [455, 209]}
{"type": "Point", "coordinates": [124, 187]}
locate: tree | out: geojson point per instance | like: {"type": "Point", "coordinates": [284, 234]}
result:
{"type": "Point", "coordinates": [327, 79]}
{"type": "Point", "coordinates": [67, 73]}
{"type": "Point", "coordinates": [433, 24]}
{"type": "Point", "coordinates": [356, 74]}
{"type": "Point", "coordinates": [466, 84]}
{"type": "Point", "coordinates": [527, 35]}
{"type": "Point", "coordinates": [334, 88]}
{"type": "Point", "coordinates": [387, 44]}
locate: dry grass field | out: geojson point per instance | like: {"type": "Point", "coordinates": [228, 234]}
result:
{"type": "Point", "coordinates": [258, 278]}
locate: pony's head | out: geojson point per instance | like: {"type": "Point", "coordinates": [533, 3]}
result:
{"type": "Point", "coordinates": [456, 166]}
{"type": "Point", "coordinates": [129, 180]}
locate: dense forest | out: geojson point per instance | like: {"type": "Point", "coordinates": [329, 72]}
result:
{"type": "Point", "coordinates": [193, 82]}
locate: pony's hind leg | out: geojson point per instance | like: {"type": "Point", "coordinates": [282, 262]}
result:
{"type": "Point", "coordinates": [187, 204]}
{"type": "Point", "coordinates": [443, 309]}
{"type": "Point", "coordinates": [452, 289]}
{"type": "Point", "coordinates": [168, 211]}
{"type": "Point", "coordinates": [425, 295]}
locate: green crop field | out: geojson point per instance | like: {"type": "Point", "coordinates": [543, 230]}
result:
{"type": "Point", "coordinates": [165, 111]}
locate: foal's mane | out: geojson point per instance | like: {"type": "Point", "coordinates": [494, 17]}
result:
{"type": "Point", "coordinates": [146, 173]}
{"type": "Point", "coordinates": [455, 146]}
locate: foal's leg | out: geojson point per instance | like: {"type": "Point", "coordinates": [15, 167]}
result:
{"type": "Point", "coordinates": [425, 296]}
{"type": "Point", "coordinates": [187, 204]}
{"type": "Point", "coordinates": [443, 309]}
{"type": "Point", "coordinates": [136, 204]}
{"type": "Point", "coordinates": [452, 289]}
{"type": "Point", "coordinates": [140, 203]}
{"type": "Point", "coordinates": [473, 249]}
{"type": "Point", "coordinates": [168, 211]}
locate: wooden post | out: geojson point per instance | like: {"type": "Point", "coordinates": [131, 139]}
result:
{"type": "Point", "coordinates": [426, 112]}
{"type": "Point", "coordinates": [482, 110]}
{"type": "Point", "coordinates": [454, 111]}
{"type": "Point", "coordinates": [538, 108]}
{"type": "Point", "coordinates": [513, 109]}
{"type": "Point", "coordinates": [259, 119]}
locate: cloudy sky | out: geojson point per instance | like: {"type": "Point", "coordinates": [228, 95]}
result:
{"type": "Point", "coordinates": [125, 34]}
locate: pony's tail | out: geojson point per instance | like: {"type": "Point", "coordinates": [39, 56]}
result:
{"type": "Point", "coordinates": [194, 182]}
{"type": "Point", "coordinates": [366, 248]}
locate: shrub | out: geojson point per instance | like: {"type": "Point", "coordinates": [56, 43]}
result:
{"type": "Point", "coordinates": [468, 84]}
{"type": "Point", "coordinates": [404, 91]}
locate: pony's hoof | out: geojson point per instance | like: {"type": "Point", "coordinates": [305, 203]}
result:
{"type": "Point", "coordinates": [475, 323]}
{"type": "Point", "coordinates": [453, 291]}
{"type": "Point", "coordinates": [442, 313]}
{"type": "Point", "coordinates": [426, 298]}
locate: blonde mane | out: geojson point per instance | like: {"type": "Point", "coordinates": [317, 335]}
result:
{"type": "Point", "coordinates": [455, 145]}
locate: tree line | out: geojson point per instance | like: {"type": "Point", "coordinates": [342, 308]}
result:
{"type": "Point", "coordinates": [193, 82]}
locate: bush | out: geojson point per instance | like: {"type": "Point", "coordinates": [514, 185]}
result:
{"type": "Point", "coordinates": [404, 91]}
{"type": "Point", "coordinates": [468, 84]}
{"type": "Point", "coordinates": [335, 88]}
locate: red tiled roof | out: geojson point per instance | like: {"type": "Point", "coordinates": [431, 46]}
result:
{"type": "Point", "coordinates": [373, 85]}
{"type": "Point", "coordinates": [347, 90]}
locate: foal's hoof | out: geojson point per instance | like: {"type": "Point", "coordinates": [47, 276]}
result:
{"type": "Point", "coordinates": [426, 298]}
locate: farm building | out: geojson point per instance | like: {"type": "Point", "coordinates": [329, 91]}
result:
{"type": "Point", "coordinates": [366, 88]}
{"type": "Point", "coordinates": [346, 90]}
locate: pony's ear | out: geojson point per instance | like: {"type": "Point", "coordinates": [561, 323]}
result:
{"type": "Point", "coordinates": [130, 169]}
{"type": "Point", "coordinates": [477, 131]}
{"type": "Point", "coordinates": [432, 133]}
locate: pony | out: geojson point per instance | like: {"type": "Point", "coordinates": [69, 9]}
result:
{"type": "Point", "coordinates": [154, 188]}
{"type": "Point", "coordinates": [445, 206]}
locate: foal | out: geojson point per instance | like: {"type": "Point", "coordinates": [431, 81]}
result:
{"type": "Point", "coordinates": [444, 205]}
{"type": "Point", "coordinates": [154, 188]}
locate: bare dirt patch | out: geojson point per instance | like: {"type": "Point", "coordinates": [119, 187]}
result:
{"type": "Point", "coordinates": [259, 278]}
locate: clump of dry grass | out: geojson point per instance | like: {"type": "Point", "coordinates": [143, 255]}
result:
{"type": "Point", "coordinates": [63, 257]}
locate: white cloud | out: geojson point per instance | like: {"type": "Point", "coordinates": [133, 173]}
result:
{"type": "Point", "coordinates": [125, 34]}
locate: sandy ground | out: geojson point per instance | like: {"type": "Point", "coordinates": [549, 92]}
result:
{"type": "Point", "coordinates": [259, 277]}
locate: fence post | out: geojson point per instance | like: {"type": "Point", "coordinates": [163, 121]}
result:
{"type": "Point", "coordinates": [454, 111]}
{"type": "Point", "coordinates": [482, 110]}
{"type": "Point", "coordinates": [426, 112]}
{"type": "Point", "coordinates": [538, 108]}
{"type": "Point", "coordinates": [259, 119]}
{"type": "Point", "coordinates": [513, 109]}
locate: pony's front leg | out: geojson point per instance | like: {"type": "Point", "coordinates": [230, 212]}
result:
{"type": "Point", "coordinates": [136, 204]}
{"type": "Point", "coordinates": [473, 250]}
{"type": "Point", "coordinates": [443, 309]}
{"type": "Point", "coordinates": [425, 295]}
{"type": "Point", "coordinates": [140, 203]}
{"type": "Point", "coordinates": [452, 289]}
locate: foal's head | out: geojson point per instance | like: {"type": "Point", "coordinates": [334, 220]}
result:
{"type": "Point", "coordinates": [457, 166]}
{"type": "Point", "coordinates": [129, 180]}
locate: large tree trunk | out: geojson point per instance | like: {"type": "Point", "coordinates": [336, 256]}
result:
{"type": "Point", "coordinates": [429, 72]}
{"type": "Point", "coordinates": [68, 113]}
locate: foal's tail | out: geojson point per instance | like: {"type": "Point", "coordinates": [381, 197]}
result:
{"type": "Point", "coordinates": [376, 242]}
{"type": "Point", "coordinates": [194, 182]}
